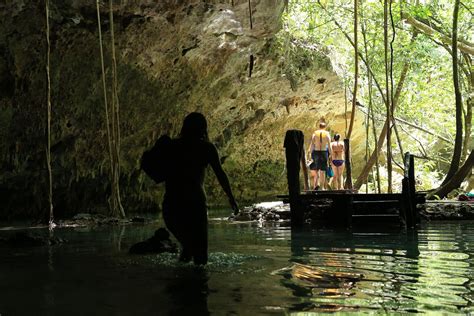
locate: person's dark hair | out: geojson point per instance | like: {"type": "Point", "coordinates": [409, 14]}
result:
{"type": "Point", "coordinates": [322, 125]}
{"type": "Point", "coordinates": [194, 127]}
{"type": "Point", "coordinates": [336, 137]}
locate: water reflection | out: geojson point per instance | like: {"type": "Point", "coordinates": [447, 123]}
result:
{"type": "Point", "coordinates": [404, 271]}
{"type": "Point", "coordinates": [315, 270]}
{"type": "Point", "coordinates": [350, 270]}
{"type": "Point", "coordinates": [189, 291]}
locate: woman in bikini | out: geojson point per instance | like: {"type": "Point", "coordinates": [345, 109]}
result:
{"type": "Point", "coordinates": [338, 161]}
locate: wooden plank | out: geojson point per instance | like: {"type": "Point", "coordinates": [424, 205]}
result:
{"type": "Point", "coordinates": [375, 215]}
{"type": "Point", "coordinates": [376, 202]}
{"type": "Point", "coordinates": [420, 197]}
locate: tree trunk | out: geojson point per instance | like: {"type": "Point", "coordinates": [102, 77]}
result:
{"type": "Point", "coordinates": [456, 180]}
{"type": "Point", "coordinates": [459, 128]}
{"type": "Point", "coordinates": [388, 105]}
{"type": "Point", "coordinates": [356, 71]}
{"type": "Point", "coordinates": [371, 115]}
{"type": "Point", "coordinates": [469, 104]}
{"type": "Point", "coordinates": [365, 171]}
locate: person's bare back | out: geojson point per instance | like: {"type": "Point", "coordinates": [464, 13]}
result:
{"type": "Point", "coordinates": [321, 140]}
{"type": "Point", "coordinates": [337, 150]}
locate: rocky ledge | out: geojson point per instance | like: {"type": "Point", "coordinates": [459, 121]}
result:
{"type": "Point", "coordinates": [279, 211]}
{"type": "Point", "coordinates": [447, 210]}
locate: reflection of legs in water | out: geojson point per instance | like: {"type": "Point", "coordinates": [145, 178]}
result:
{"type": "Point", "coordinates": [188, 292]}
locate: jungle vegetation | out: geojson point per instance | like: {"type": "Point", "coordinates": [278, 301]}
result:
{"type": "Point", "coordinates": [407, 67]}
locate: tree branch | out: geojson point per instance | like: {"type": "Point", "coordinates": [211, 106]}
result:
{"type": "Point", "coordinates": [463, 46]}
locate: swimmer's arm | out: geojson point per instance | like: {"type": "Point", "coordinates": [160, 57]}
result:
{"type": "Point", "coordinates": [222, 177]}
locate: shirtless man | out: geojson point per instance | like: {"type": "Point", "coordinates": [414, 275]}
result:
{"type": "Point", "coordinates": [318, 151]}
{"type": "Point", "coordinates": [338, 161]}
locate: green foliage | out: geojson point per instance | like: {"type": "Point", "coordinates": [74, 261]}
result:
{"type": "Point", "coordinates": [297, 54]}
{"type": "Point", "coordinates": [427, 97]}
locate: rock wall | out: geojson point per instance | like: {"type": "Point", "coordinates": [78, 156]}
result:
{"type": "Point", "coordinates": [174, 57]}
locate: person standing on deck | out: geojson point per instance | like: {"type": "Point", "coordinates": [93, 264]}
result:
{"type": "Point", "coordinates": [184, 204]}
{"type": "Point", "coordinates": [320, 151]}
{"type": "Point", "coordinates": [337, 162]}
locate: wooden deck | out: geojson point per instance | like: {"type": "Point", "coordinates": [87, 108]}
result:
{"type": "Point", "coordinates": [348, 207]}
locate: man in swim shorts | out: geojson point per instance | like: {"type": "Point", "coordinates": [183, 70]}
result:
{"type": "Point", "coordinates": [319, 150]}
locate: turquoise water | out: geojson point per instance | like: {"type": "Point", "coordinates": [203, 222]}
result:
{"type": "Point", "coordinates": [253, 270]}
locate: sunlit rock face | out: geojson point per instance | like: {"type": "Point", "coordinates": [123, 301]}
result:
{"type": "Point", "coordinates": [173, 57]}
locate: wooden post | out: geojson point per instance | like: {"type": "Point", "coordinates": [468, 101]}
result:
{"type": "Point", "coordinates": [347, 161]}
{"type": "Point", "coordinates": [294, 151]}
{"type": "Point", "coordinates": [404, 207]}
{"type": "Point", "coordinates": [408, 203]}
{"type": "Point", "coordinates": [411, 187]}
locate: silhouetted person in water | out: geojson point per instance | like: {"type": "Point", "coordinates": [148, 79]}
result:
{"type": "Point", "coordinates": [184, 205]}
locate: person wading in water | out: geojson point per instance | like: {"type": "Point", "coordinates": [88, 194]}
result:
{"type": "Point", "coordinates": [184, 204]}
{"type": "Point", "coordinates": [319, 150]}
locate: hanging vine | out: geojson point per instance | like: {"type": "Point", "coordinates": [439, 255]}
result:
{"type": "Point", "coordinates": [115, 119]}
{"type": "Point", "coordinates": [111, 119]}
{"type": "Point", "coordinates": [48, 129]}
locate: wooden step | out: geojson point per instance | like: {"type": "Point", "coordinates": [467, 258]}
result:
{"type": "Point", "coordinates": [365, 218]}
{"type": "Point", "coordinates": [374, 215]}
{"type": "Point", "coordinates": [376, 202]}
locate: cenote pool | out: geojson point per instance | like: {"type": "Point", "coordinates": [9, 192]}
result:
{"type": "Point", "coordinates": [253, 270]}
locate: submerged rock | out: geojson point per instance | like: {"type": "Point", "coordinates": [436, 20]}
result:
{"type": "Point", "coordinates": [446, 210]}
{"type": "Point", "coordinates": [158, 243]}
